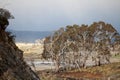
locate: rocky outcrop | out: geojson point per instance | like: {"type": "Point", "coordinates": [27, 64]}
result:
{"type": "Point", "coordinates": [12, 64]}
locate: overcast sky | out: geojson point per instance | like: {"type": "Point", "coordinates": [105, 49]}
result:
{"type": "Point", "coordinates": [49, 15]}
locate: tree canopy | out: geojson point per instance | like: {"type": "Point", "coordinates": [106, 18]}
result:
{"type": "Point", "coordinates": [76, 44]}
{"type": "Point", "coordinates": [4, 16]}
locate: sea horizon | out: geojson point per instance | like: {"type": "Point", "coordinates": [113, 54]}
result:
{"type": "Point", "coordinates": [29, 36]}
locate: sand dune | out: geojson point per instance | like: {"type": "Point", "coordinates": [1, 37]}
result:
{"type": "Point", "coordinates": [31, 50]}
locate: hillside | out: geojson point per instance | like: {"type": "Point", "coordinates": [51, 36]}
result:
{"type": "Point", "coordinates": [12, 64]}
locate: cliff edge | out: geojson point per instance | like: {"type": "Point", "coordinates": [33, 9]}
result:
{"type": "Point", "coordinates": [12, 64]}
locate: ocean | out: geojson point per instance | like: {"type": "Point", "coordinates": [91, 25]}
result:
{"type": "Point", "coordinates": [30, 36]}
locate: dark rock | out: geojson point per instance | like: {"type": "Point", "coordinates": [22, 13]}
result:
{"type": "Point", "coordinates": [12, 64]}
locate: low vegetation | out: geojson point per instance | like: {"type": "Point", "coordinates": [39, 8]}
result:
{"type": "Point", "coordinates": [103, 72]}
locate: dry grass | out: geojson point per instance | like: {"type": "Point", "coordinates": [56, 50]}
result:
{"type": "Point", "coordinates": [95, 72]}
{"type": "Point", "coordinates": [92, 73]}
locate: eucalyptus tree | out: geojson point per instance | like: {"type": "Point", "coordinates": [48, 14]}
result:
{"type": "Point", "coordinates": [104, 34]}
{"type": "Point", "coordinates": [74, 45]}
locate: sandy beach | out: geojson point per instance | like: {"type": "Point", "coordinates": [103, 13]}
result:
{"type": "Point", "coordinates": [31, 50]}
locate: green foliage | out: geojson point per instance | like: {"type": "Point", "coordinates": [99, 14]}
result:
{"type": "Point", "coordinates": [5, 13]}
{"type": "Point", "coordinates": [4, 16]}
{"type": "Point", "coordinates": [82, 41]}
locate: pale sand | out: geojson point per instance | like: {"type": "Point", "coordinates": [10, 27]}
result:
{"type": "Point", "coordinates": [30, 48]}
{"type": "Point", "coordinates": [33, 51]}
{"type": "Point", "coordinates": [43, 67]}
